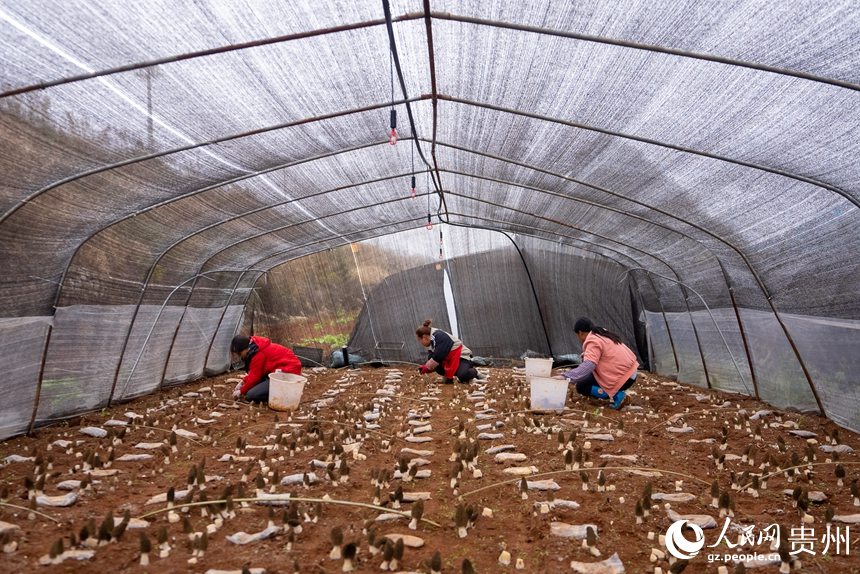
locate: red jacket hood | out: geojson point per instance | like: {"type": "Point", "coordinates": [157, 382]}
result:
{"type": "Point", "coordinates": [261, 342]}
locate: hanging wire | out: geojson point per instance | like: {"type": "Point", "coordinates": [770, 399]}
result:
{"type": "Point", "coordinates": [392, 136]}
{"type": "Point", "coordinates": [412, 149]}
{"type": "Point", "coordinates": [429, 225]}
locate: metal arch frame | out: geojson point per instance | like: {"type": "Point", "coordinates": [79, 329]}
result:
{"type": "Point", "coordinates": [529, 167]}
{"type": "Point", "coordinates": [769, 298]}
{"type": "Point", "coordinates": [529, 231]}
{"type": "Point", "coordinates": [263, 208]}
{"type": "Point", "coordinates": [674, 272]}
{"type": "Point", "coordinates": [597, 39]}
{"type": "Point", "coordinates": [251, 290]}
{"type": "Point", "coordinates": [155, 262]}
{"type": "Point", "coordinates": [535, 168]}
{"type": "Point", "coordinates": [718, 238]}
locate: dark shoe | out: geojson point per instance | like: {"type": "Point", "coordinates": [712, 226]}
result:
{"type": "Point", "coordinates": [449, 381]}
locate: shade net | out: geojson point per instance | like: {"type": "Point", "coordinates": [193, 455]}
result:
{"type": "Point", "coordinates": [685, 174]}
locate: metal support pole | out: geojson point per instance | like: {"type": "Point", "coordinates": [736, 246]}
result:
{"type": "Point", "coordinates": [41, 374]}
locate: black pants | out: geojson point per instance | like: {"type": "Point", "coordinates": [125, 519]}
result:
{"type": "Point", "coordinates": [259, 393]}
{"type": "Point", "coordinates": [583, 387]}
{"type": "Point", "coordinates": [465, 371]}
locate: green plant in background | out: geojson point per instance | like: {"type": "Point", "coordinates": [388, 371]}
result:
{"type": "Point", "coordinates": [336, 341]}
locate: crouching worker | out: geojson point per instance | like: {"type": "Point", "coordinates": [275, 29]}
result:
{"type": "Point", "coordinates": [608, 366]}
{"type": "Point", "coordinates": [447, 355]}
{"type": "Point", "coordinates": [262, 358]}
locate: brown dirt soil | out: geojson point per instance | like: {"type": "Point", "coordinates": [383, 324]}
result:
{"type": "Point", "coordinates": [514, 523]}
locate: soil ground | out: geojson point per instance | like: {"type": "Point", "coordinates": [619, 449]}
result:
{"type": "Point", "coordinates": [640, 429]}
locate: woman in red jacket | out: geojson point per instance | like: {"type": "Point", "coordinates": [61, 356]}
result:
{"type": "Point", "coordinates": [262, 357]}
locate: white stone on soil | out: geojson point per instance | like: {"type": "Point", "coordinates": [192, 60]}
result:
{"type": "Point", "coordinates": [245, 538]}
{"type": "Point", "coordinates": [17, 458]}
{"type": "Point", "coordinates": [542, 485]}
{"type": "Point", "coordinates": [133, 457]}
{"type": "Point", "coordinates": [605, 437]}
{"type": "Point", "coordinates": [501, 448]}
{"type": "Point", "coordinates": [94, 432]}
{"type": "Point", "coordinates": [7, 527]}
{"type": "Point", "coordinates": [840, 448]}
{"type": "Point", "coordinates": [700, 520]}
{"type": "Point", "coordinates": [847, 518]}
{"type": "Point", "coordinates": [521, 470]}
{"type": "Point", "coordinates": [67, 499]}
{"type": "Point", "coordinates": [564, 530]}
{"type": "Point", "coordinates": [510, 457]}
{"type": "Point", "coordinates": [611, 565]}
{"type": "Point", "coordinates": [408, 540]}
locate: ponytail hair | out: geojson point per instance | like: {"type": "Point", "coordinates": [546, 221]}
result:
{"type": "Point", "coordinates": [424, 329]}
{"type": "Point", "coordinates": [585, 325]}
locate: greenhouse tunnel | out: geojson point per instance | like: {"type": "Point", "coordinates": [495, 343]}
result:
{"type": "Point", "coordinates": [172, 173]}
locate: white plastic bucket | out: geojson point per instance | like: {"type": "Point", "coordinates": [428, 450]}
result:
{"type": "Point", "coordinates": [548, 394]}
{"type": "Point", "coordinates": [285, 390]}
{"type": "Point", "coordinates": [538, 367]}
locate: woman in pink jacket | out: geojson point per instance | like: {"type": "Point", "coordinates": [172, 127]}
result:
{"type": "Point", "coordinates": [608, 366]}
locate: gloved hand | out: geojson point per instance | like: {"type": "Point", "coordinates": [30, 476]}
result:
{"type": "Point", "coordinates": [423, 369]}
{"type": "Point", "coordinates": [237, 392]}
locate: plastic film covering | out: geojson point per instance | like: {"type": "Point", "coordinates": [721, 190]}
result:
{"type": "Point", "coordinates": [146, 353]}
{"type": "Point", "coordinates": [397, 306]}
{"type": "Point", "coordinates": [571, 283]}
{"type": "Point", "coordinates": [23, 339]}
{"type": "Point", "coordinates": [831, 346]}
{"type": "Point", "coordinates": [660, 345]}
{"type": "Point", "coordinates": [723, 348]}
{"type": "Point", "coordinates": [81, 360]}
{"type": "Point", "coordinates": [780, 378]}
{"type": "Point", "coordinates": [219, 355]}
{"type": "Point", "coordinates": [489, 303]}
{"type": "Point", "coordinates": [195, 335]}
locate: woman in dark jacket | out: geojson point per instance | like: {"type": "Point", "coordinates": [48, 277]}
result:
{"type": "Point", "coordinates": [446, 355]}
{"type": "Point", "coordinates": [262, 358]}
